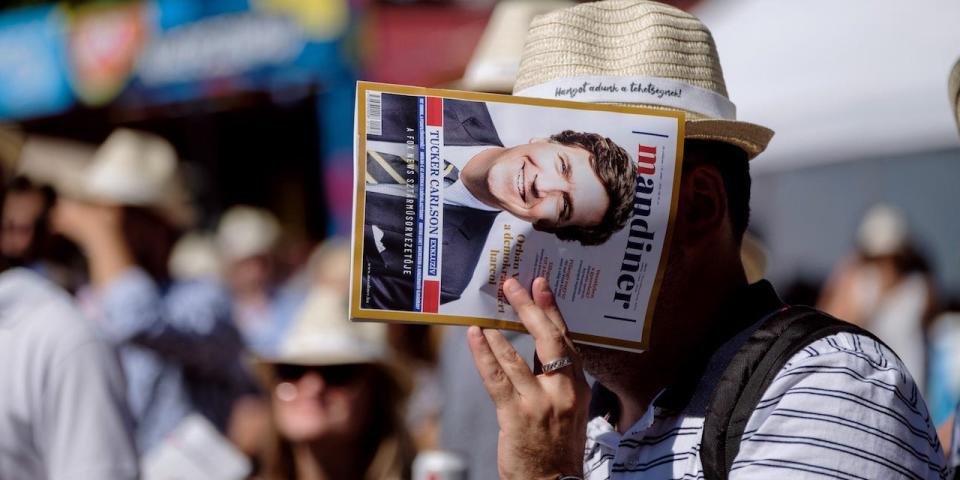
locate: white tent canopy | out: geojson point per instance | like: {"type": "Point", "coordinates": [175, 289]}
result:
{"type": "Point", "coordinates": [839, 80]}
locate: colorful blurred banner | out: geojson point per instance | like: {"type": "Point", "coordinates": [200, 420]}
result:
{"type": "Point", "coordinates": [162, 51]}
{"type": "Point", "coordinates": [103, 42]}
{"type": "Point", "coordinates": [33, 73]}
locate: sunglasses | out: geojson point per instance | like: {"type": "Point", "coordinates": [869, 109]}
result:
{"type": "Point", "coordinates": [333, 375]}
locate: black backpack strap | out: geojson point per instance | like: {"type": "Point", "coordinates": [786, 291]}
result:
{"type": "Point", "coordinates": [750, 373]}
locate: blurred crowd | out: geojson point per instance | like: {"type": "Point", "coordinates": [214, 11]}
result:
{"type": "Point", "coordinates": [224, 352]}
{"type": "Point", "coordinates": [213, 338]}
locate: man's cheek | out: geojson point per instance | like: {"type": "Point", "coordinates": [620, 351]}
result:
{"type": "Point", "coordinates": [543, 215]}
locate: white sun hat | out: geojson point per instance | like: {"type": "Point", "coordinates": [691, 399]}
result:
{"type": "Point", "coordinates": [246, 232]}
{"type": "Point", "coordinates": [195, 256]}
{"type": "Point", "coordinates": [57, 162]}
{"type": "Point", "coordinates": [496, 60]}
{"type": "Point", "coordinates": [656, 55]}
{"type": "Point", "coordinates": [324, 335]}
{"type": "Point", "coordinates": [132, 168]}
{"type": "Point", "coordinates": [883, 231]}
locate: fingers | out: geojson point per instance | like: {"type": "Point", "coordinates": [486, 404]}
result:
{"type": "Point", "coordinates": [543, 297]}
{"type": "Point", "coordinates": [550, 340]}
{"type": "Point", "coordinates": [494, 378]}
{"type": "Point", "coordinates": [512, 363]}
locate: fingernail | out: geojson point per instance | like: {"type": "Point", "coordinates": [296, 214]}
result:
{"type": "Point", "coordinates": [474, 331]}
{"type": "Point", "coordinates": [511, 286]}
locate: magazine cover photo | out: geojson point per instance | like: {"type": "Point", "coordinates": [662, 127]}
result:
{"type": "Point", "coordinates": [457, 192]}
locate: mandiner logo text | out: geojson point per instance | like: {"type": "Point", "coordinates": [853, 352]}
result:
{"type": "Point", "coordinates": [640, 238]}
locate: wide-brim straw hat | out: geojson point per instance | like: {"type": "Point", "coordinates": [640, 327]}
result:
{"type": "Point", "coordinates": [56, 162]}
{"type": "Point", "coordinates": [953, 89]}
{"type": "Point", "coordinates": [131, 168]}
{"type": "Point", "coordinates": [667, 54]}
{"type": "Point", "coordinates": [322, 333]}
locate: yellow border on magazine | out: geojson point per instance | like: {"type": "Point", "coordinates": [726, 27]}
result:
{"type": "Point", "coordinates": [359, 197]}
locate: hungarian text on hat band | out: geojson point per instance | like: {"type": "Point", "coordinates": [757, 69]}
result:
{"type": "Point", "coordinates": [663, 92]}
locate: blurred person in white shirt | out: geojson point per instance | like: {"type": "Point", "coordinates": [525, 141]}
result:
{"type": "Point", "coordinates": [886, 287]}
{"type": "Point", "coordinates": [63, 414]}
{"type": "Point", "coordinates": [179, 348]}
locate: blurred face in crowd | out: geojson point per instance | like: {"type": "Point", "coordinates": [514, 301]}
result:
{"type": "Point", "coordinates": [322, 403]}
{"type": "Point", "coordinates": [21, 211]}
{"type": "Point", "coordinates": [251, 274]}
{"type": "Point", "coordinates": [548, 184]}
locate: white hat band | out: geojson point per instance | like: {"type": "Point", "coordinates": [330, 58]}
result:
{"type": "Point", "coordinates": [664, 92]}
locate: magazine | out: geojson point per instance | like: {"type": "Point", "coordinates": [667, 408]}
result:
{"type": "Point", "coordinates": [458, 191]}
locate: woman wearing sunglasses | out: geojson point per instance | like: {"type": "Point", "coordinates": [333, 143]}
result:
{"type": "Point", "coordinates": [336, 400]}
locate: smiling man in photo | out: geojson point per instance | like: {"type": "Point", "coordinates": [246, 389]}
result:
{"type": "Point", "coordinates": [578, 186]}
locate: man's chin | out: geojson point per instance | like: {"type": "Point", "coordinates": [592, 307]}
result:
{"type": "Point", "coordinates": [509, 208]}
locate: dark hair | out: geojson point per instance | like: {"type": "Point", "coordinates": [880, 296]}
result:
{"type": "Point", "coordinates": [21, 184]}
{"type": "Point", "coordinates": [151, 239]}
{"type": "Point", "coordinates": [43, 241]}
{"type": "Point", "coordinates": [732, 163]}
{"type": "Point", "coordinates": [613, 166]}
{"type": "Point", "coordinates": [386, 439]}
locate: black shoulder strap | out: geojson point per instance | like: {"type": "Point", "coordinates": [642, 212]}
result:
{"type": "Point", "coordinates": [749, 374]}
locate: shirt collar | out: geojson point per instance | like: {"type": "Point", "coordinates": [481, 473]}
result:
{"type": "Point", "coordinates": [740, 316]}
{"type": "Point", "coordinates": [458, 194]}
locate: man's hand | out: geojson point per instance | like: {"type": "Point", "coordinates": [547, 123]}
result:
{"type": "Point", "coordinates": [86, 224]}
{"type": "Point", "coordinates": [543, 418]}
{"type": "Point", "coordinates": [98, 231]}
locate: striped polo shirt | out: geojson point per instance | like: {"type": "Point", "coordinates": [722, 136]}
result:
{"type": "Point", "coordinates": [844, 407]}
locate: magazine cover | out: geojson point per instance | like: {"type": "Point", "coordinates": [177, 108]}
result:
{"type": "Point", "coordinates": [458, 191]}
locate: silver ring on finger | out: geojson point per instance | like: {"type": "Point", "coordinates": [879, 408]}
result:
{"type": "Point", "coordinates": [557, 364]}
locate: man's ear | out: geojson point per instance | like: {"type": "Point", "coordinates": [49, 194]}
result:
{"type": "Point", "coordinates": [702, 213]}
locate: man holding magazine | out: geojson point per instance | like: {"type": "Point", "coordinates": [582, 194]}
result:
{"type": "Point", "coordinates": [834, 403]}
{"type": "Point", "coordinates": [578, 186]}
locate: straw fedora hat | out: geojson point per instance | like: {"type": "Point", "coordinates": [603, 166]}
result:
{"type": "Point", "coordinates": [953, 88]}
{"type": "Point", "coordinates": [655, 55]}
